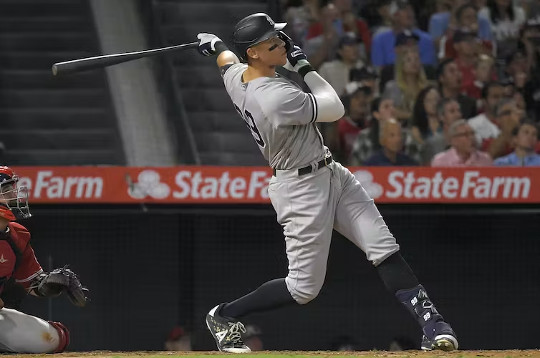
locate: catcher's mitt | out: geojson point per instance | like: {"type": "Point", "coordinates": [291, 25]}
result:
{"type": "Point", "coordinates": [62, 279]}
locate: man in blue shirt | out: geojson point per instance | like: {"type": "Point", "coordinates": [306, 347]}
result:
{"type": "Point", "coordinates": [525, 141]}
{"type": "Point", "coordinates": [382, 48]}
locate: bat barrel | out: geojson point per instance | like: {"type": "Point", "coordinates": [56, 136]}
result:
{"type": "Point", "coordinates": [89, 63]}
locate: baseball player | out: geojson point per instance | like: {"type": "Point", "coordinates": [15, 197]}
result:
{"type": "Point", "coordinates": [310, 192]}
{"type": "Point", "coordinates": [20, 271]}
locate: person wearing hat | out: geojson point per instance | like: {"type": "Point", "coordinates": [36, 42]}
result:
{"type": "Point", "coordinates": [366, 76]}
{"type": "Point", "coordinates": [336, 72]}
{"type": "Point", "coordinates": [382, 51]}
{"type": "Point", "coordinates": [356, 102]}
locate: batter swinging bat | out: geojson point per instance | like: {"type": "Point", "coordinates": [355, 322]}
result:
{"type": "Point", "coordinates": [89, 63]}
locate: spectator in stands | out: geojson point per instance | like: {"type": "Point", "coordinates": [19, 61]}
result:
{"type": "Point", "coordinates": [336, 20]}
{"type": "Point", "coordinates": [466, 46]}
{"type": "Point", "coordinates": [300, 15]}
{"type": "Point", "coordinates": [450, 78]}
{"type": "Point", "coordinates": [323, 47]}
{"type": "Point", "coordinates": [356, 117]}
{"type": "Point", "coordinates": [425, 122]}
{"type": "Point", "coordinates": [448, 112]}
{"type": "Point", "coordinates": [508, 117]}
{"type": "Point", "coordinates": [506, 21]}
{"type": "Point", "coordinates": [366, 76]}
{"type": "Point", "coordinates": [463, 152]}
{"type": "Point", "coordinates": [525, 140]}
{"type": "Point", "coordinates": [517, 69]}
{"type": "Point", "coordinates": [384, 23]}
{"type": "Point", "coordinates": [462, 15]}
{"type": "Point", "coordinates": [410, 79]}
{"type": "Point", "coordinates": [337, 72]}
{"type": "Point", "coordinates": [484, 72]}
{"type": "Point", "coordinates": [531, 42]}
{"type": "Point", "coordinates": [391, 141]}
{"type": "Point", "coordinates": [367, 141]}
{"type": "Point", "coordinates": [485, 124]}
{"type": "Point", "coordinates": [383, 54]}
{"type": "Point", "coordinates": [178, 340]}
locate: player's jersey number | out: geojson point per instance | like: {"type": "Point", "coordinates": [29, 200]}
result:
{"type": "Point", "coordinates": [250, 122]}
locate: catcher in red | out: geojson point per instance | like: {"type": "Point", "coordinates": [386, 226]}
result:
{"type": "Point", "coordinates": [20, 272]}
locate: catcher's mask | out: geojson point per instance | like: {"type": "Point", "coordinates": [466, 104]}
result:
{"type": "Point", "coordinates": [13, 199]}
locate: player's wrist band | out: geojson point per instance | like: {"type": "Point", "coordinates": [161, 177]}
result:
{"type": "Point", "coordinates": [220, 47]}
{"type": "Point", "coordinates": [304, 70]}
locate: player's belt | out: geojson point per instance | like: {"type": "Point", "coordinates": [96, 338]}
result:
{"type": "Point", "coordinates": [308, 169]}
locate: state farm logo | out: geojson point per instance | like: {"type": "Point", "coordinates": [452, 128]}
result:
{"type": "Point", "coordinates": [365, 178]}
{"type": "Point", "coordinates": [148, 184]}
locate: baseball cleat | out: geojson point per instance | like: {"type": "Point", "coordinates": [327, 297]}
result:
{"type": "Point", "coordinates": [443, 342]}
{"type": "Point", "coordinates": [227, 332]}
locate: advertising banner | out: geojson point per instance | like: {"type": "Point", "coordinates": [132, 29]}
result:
{"type": "Point", "coordinates": [238, 185]}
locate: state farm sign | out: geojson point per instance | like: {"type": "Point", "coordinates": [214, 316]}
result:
{"type": "Point", "coordinates": [207, 184]}
{"type": "Point", "coordinates": [469, 184]}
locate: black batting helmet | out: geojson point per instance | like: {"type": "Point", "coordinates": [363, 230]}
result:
{"type": "Point", "coordinates": [254, 29]}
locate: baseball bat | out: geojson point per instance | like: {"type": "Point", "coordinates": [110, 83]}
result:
{"type": "Point", "coordinates": [89, 63]}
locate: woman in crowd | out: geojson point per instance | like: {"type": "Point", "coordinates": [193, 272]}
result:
{"type": "Point", "coordinates": [506, 21]}
{"type": "Point", "coordinates": [425, 122]}
{"type": "Point", "coordinates": [410, 79]}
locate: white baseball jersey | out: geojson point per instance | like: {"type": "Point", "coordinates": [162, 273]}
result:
{"type": "Point", "coordinates": [281, 118]}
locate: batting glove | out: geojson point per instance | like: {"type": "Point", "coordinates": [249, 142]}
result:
{"type": "Point", "coordinates": [297, 61]}
{"type": "Point", "coordinates": [209, 44]}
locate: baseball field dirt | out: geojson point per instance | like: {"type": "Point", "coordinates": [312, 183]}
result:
{"type": "Point", "coordinates": [297, 354]}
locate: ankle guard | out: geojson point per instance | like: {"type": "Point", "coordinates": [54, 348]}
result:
{"type": "Point", "coordinates": [418, 303]}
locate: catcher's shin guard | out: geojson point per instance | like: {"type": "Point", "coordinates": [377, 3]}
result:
{"type": "Point", "coordinates": [63, 336]}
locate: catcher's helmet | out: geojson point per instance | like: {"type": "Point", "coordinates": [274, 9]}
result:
{"type": "Point", "coordinates": [252, 30]}
{"type": "Point", "coordinates": [13, 199]}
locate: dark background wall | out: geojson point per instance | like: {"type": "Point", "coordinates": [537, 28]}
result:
{"type": "Point", "coordinates": [151, 268]}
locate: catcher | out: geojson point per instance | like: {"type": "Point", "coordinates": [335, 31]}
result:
{"type": "Point", "coordinates": [21, 272]}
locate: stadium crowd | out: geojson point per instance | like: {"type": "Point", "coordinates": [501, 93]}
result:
{"type": "Point", "coordinates": [427, 82]}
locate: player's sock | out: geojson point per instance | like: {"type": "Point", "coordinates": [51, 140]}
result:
{"type": "Point", "coordinates": [270, 295]}
{"type": "Point", "coordinates": [396, 274]}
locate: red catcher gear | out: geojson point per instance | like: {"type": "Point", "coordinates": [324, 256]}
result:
{"type": "Point", "coordinates": [63, 335]}
{"type": "Point", "coordinates": [13, 199]}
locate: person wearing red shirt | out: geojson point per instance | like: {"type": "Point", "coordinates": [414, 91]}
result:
{"type": "Point", "coordinates": [20, 271]}
{"type": "Point", "coordinates": [356, 116]}
{"type": "Point", "coordinates": [346, 21]}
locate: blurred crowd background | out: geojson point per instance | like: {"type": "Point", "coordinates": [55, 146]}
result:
{"type": "Point", "coordinates": [439, 82]}
{"type": "Point", "coordinates": [424, 82]}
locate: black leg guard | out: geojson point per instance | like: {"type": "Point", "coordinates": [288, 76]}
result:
{"type": "Point", "coordinates": [432, 322]}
